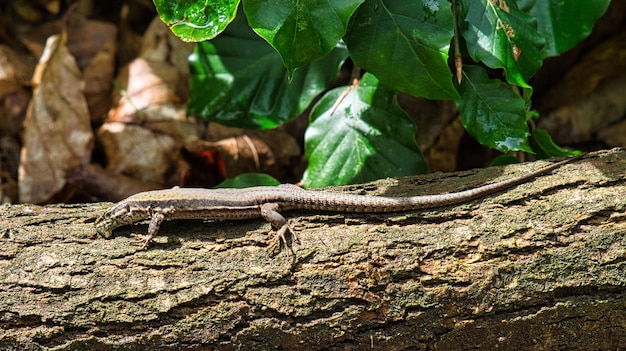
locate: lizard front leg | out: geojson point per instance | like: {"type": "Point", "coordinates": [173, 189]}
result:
{"type": "Point", "coordinates": [269, 211]}
{"type": "Point", "coordinates": [157, 216]}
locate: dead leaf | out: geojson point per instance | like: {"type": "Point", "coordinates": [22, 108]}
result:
{"type": "Point", "coordinates": [100, 184]}
{"type": "Point", "coordinates": [16, 70]}
{"type": "Point", "coordinates": [16, 66]}
{"type": "Point", "coordinates": [590, 97]}
{"type": "Point", "coordinates": [615, 136]}
{"type": "Point", "coordinates": [160, 76]}
{"type": "Point", "coordinates": [140, 153]}
{"type": "Point", "coordinates": [143, 84]}
{"type": "Point", "coordinates": [85, 40]}
{"type": "Point", "coordinates": [98, 73]}
{"type": "Point", "coordinates": [9, 162]}
{"type": "Point", "coordinates": [93, 45]}
{"type": "Point", "coordinates": [161, 45]}
{"type": "Point", "coordinates": [242, 151]}
{"type": "Point", "coordinates": [13, 103]}
{"type": "Point", "coordinates": [147, 126]}
{"type": "Point", "coordinates": [57, 131]}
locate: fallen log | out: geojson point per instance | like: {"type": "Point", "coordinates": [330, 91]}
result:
{"type": "Point", "coordinates": [539, 266]}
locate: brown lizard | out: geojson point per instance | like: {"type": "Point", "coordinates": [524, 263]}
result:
{"type": "Point", "coordinates": [268, 201]}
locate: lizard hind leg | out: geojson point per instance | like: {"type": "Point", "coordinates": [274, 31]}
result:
{"type": "Point", "coordinates": [284, 234]}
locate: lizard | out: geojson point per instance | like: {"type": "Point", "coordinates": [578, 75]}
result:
{"type": "Point", "coordinates": [268, 201]}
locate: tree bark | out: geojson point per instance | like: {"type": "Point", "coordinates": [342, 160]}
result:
{"type": "Point", "coordinates": [540, 266]}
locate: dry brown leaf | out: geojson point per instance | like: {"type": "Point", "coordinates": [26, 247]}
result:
{"type": "Point", "coordinates": [13, 103]}
{"type": "Point", "coordinates": [98, 73]}
{"type": "Point", "coordinates": [93, 45]}
{"type": "Point", "coordinates": [147, 126]}
{"type": "Point", "coordinates": [57, 130]}
{"type": "Point", "coordinates": [16, 69]}
{"type": "Point", "coordinates": [615, 135]}
{"type": "Point", "coordinates": [100, 184]}
{"type": "Point", "coordinates": [129, 40]}
{"type": "Point", "coordinates": [161, 45]}
{"type": "Point", "coordinates": [86, 38]}
{"type": "Point", "coordinates": [15, 66]}
{"type": "Point", "coordinates": [8, 169]}
{"type": "Point", "coordinates": [160, 76]}
{"type": "Point", "coordinates": [269, 151]}
{"type": "Point", "coordinates": [143, 84]}
{"type": "Point", "coordinates": [590, 97]}
{"type": "Point", "coordinates": [139, 153]}
{"type": "Point", "coordinates": [98, 76]}
{"type": "Point", "coordinates": [171, 119]}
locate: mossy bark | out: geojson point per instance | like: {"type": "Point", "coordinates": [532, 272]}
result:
{"type": "Point", "coordinates": [540, 266]}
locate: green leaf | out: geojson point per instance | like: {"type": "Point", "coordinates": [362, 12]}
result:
{"type": "Point", "coordinates": [504, 160]}
{"type": "Point", "coordinates": [545, 147]}
{"type": "Point", "coordinates": [247, 180]}
{"type": "Point", "coordinates": [500, 35]}
{"type": "Point", "coordinates": [302, 31]}
{"type": "Point", "coordinates": [366, 136]}
{"type": "Point", "coordinates": [405, 44]}
{"type": "Point", "coordinates": [193, 20]}
{"type": "Point", "coordinates": [492, 112]}
{"type": "Point", "coordinates": [564, 23]}
{"type": "Point", "coordinates": [237, 79]}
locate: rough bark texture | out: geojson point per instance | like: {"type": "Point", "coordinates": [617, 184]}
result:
{"type": "Point", "coordinates": [541, 266]}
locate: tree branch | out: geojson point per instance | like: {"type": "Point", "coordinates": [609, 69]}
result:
{"type": "Point", "coordinates": [540, 266]}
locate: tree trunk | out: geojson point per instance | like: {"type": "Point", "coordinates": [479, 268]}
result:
{"type": "Point", "coordinates": [540, 266]}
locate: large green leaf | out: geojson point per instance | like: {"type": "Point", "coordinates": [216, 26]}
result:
{"type": "Point", "coordinates": [238, 80]}
{"type": "Point", "coordinates": [247, 180]}
{"type": "Point", "coordinates": [193, 20]}
{"type": "Point", "coordinates": [360, 136]}
{"type": "Point", "coordinates": [405, 44]}
{"type": "Point", "coordinates": [545, 147]}
{"type": "Point", "coordinates": [492, 112]}
{"type": "Point", "coordinates": [564, 23]}
{"type": "Point", "coordinates": [500, 35]}
{"type": "Point", "coordinates": [302, 31]}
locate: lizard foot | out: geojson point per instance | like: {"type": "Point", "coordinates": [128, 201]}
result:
{"type": "Point", "coordinates": [284, 236]}
{"type": "Point", "coordinates": [142, 240]}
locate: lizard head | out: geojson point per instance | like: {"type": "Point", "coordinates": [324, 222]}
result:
{"type": "Point", "coordinates": [111, 219]}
